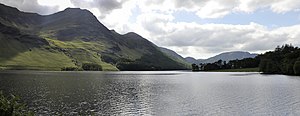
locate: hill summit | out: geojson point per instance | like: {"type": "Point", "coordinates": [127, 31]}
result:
{"type": "Point", "coordinates": [71, 38]}
{"type": "Point", "coordinates": [226, 56]}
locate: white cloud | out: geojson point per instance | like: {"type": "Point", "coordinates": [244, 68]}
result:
{"type": "Point", "coordinates": [282, 6]}
{"type": "Point", "coordinates": [119, 19]}
{"type": "Point", "coordinates": [221, 8]}
{"type": "Point", "coordinates": [202, 40]}
{"type": "Point", "coordinates": [213, 9]}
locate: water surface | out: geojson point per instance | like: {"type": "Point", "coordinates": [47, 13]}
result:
{"type": "Point", "coordinates": [154, 93]}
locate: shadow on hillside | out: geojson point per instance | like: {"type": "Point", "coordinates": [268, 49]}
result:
{"type": "Point", "coordinates": [13, 42]}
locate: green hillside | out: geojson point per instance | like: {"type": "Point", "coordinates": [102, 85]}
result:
{"type": "Point", "coordinates": [71, 38]}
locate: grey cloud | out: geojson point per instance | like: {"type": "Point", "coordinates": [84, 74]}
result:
{"type": "Point", "coordinates": [216, 38]}
{"type": "Point", "coordinates": [104, 6]}
{"type": "Point", "coordinates": [109, 5]}
{"type": "Point", "coordinates": [267, 41]}
{"type": "Point", "coordinates": [155, 27]}
{"type": "Point", "coordinates": [30, 6]}
{"type": "Point", "coordinates": [189, 3]}
{"type": "Point", "coordinates": [221, 8]}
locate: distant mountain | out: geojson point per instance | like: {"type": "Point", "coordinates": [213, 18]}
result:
{"type": "Point", "coordinates": [70, 38]}
{"type": "Point", "coordinates": [191, 60]}
{"type": "Point", "coordinates": [226, 56]}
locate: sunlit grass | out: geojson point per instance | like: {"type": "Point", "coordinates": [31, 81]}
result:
{"type": "Point", "coordinates": [95, 45]}
{"type": "Point", "coordinates": [83, 52]}
{"type": "Point", "coordinates": [39, 59]}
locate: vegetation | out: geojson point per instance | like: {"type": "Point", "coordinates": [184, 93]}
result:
{"type": "Point", "coordinates": [37, 59]}
{"type": "Point", "coordinates": [68, 41]}
{"type": "Point", "coordinates": [195, 67]}
{"type": "Point", "coordinates": [70, 69]}
{"type": "Point", "coordinates": [176, 57]}
{"type": "Point", "coordinates": [91, 67]}
{"type": "Point", "coordinates": [246, 63]}
{"type": "Point", "coordinates": [146, 63]}
{"type": "Point", "coordinates": [81, 52]}
{"type": "Point", "coordinates": [238, 70]}
{"type": "Point", "coordinates": [12, 107]}
{"type": "Point", "coordinates": [283, 60]}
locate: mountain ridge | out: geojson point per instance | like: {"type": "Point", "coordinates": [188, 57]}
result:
{"type": "Point", "coordinates": [70, 38]}
{"type": "Point", "coordinates": [225, 56]}
{"type": "Point", "coordinates": [175, 56]}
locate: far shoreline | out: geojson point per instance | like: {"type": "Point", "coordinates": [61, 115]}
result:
{"type": "Point", "coordinates": [233, 70]}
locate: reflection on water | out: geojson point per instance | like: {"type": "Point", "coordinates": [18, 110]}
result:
{"type": "Point", "coordinates": [154, 93]}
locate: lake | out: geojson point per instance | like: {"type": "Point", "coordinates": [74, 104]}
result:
{"type": "Point", "coordinates": [154, 93]}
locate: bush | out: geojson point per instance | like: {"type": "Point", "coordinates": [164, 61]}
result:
{"type": "Point", "coordinates": [12, 107]}
{"type": "Point", "coordinates": [70, 69]}
{"type": "Point", "coordinates": [195, 67]}
{"type": "Point", "coordinates": [91, 67]}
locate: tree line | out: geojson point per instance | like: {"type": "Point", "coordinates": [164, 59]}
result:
{"type": "Point", "coordinates": [283, 60]}
{"type": "Point", "coordinates": [232, 64]}
{"type": "Point", "coordinates": [84, 67]}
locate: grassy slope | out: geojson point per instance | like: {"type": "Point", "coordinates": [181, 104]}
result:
{"type": "Point", "coordinates": [131, 53]}
{"type": "Point", "coordinates": [83, 52]}
{"type": "Point", "coordinates": [15, 55]}
{"type": "Point", "coordinates": [183, 63]}
{"type": "Point", "coordinates": [9, 47]}
{"type": "Point", "coordinates": [39, 59]}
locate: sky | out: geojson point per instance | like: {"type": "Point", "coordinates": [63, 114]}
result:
{"type": "Point", "coordinates": [196, 28]}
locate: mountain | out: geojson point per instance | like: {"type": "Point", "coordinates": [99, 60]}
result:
{"type": "Point", "coordinates": [226, 56]}
{"type": "Point", "coordinates": [172, 54]}
{"type": "Point", "coordinates": [192, 60]}
{"type": "Point", "coordinates": [71, 38]}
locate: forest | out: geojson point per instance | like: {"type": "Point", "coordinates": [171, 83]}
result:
{"type": "Point", "coordinates": [232, 64]}
{"type": "Point", "coordinates": [283, 60]}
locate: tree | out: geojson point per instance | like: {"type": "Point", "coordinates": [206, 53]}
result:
{"type": "Point", "coordinates": [283, 60]}
{"type": "Point", "coordinates": [195, 67]}
{"type": "Point", "coordinates": [211, 66]}
{"type": "Point", "coordinates": [297, 68]}
{"type": "Point", "coordinates": [91, 67]}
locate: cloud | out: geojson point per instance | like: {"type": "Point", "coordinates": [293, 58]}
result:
{"type": "Point", "coordinates": [220, 8]}
{"type": "Point", "coordinates": [104, 6]}
{"type": "Point", "coordinates": [285, 6]}
{"type": "Point", "coordinates": [30, 6]}
{"type": "Point", "coordinates": [157, 21]}
{"type": "Point", "coordinates": [213, 9]}
{"type": "Point", "coordinates": [206, 39]}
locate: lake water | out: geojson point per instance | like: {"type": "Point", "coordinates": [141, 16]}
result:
{"type": "Point", "coordinates": [154, 93]}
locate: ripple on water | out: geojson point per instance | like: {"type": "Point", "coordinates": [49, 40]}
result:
{"type": "Point", "coordinates": [155, 93]}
